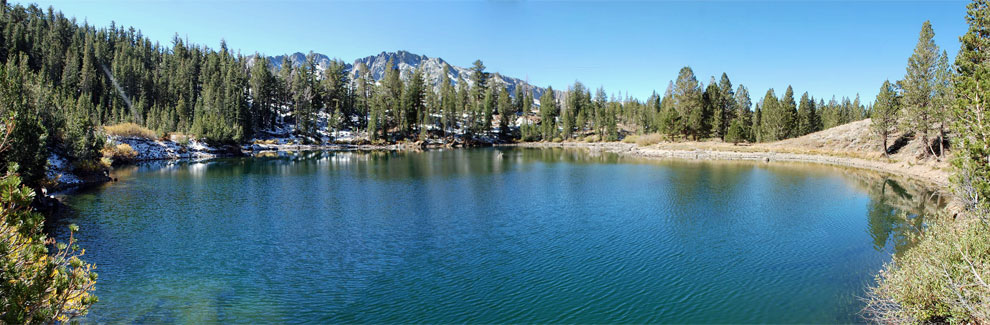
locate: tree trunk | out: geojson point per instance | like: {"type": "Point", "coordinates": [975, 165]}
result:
{"type": "Point", "coordinates": [885, 152]}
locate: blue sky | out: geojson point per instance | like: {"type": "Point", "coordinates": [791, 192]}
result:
{"type": "Point", "coordinates": [823, 47]}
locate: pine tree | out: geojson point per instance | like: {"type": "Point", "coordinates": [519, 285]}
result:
{"type": "Point", "coordinates": [413, 100]}
{"type": "Point", "coordinates": [505, 113]}
{"type": "Point", "coordinates": [548, 114]}
{"type": "Point", "coordinates": [448, 98]}
{"type": "Point", "coordinates": [687, 97]}
{"type": "Point", "coordinates": [390, 99]}
{"type": "Point", "coordinates": [943, 99]}
{"type": "Point", "coordinates": [885, 113]}
{"type": "Point", "coordinates": [918, 87]}
{"type": "Point", "coordinates": [744, 115]}
{"type": "Point", "coordinates": [789, 110]}
{"type": "Point", "coordinates": [727, 104]}
{"type": "Point", "coordinates": [807, 115]}
{"type": "Point", "coordinates": [712, 112]}
{"type": "Point", "coordinates": [972, 107]}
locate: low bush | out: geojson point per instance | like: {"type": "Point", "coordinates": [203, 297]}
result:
{"type": "Point", "coordinates": [91, 165]}
{"type": "Point", "coordinates": [41, 281]}
{"type": "Point", "coordinates": [119, 153]}
{"type": "Point", "coordinates": [592, 138]}
{"type": "Point", "coordinates": [130, 130]}
{"type": "Point", "coordinates": [649, 139]}
{"type": "Point", "coordinates": [179, 138]}
{"type": "Point", "coordinates": [558, 139]}
{"type": "Point", "coordinates": [630, 138]}
{"type": "Point", "coordinates": [941, 280]}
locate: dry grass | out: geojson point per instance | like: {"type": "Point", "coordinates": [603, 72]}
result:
{"type": "Point", "coordinates": [630, 138]}
{"type": "Point", "coordinates": [119, 153]}
{"type": "Point", "coordinates": [648, 139]}
{"type": "Point", "coordinates": [130, 130]}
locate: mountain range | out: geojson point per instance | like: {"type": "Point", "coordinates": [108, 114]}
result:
{"type": "Point", "coordinates": [407, 64]}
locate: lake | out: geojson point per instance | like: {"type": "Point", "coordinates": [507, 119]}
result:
{"type": "Point", "coordinates": [489, 235]}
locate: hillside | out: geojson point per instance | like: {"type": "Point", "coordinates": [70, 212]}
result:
{"type": "Point", "coordinates": [850, 145]}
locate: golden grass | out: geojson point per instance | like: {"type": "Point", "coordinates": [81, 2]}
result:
{"type": "Point", "coordinates": [130, 130]}
{"type": "Point", "coordinates": [648, 139]}
{"type": "Point", "coordinates": [120, 152]}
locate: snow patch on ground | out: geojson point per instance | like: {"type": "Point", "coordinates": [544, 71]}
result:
{"type": "Point", "coordinates": [60, 168]}
{"type": "Point", "coordinates": [157, 149]}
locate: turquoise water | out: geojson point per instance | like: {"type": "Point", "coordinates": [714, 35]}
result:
{"type": "Point", "coordinates": [488, 235]}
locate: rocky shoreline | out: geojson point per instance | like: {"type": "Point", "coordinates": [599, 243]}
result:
{"type": "Point", "coordinates": [60, 168]}
{"type": "Point", "coordinates": [926, 173]}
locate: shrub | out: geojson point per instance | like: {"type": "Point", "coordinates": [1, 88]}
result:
{"type": "Point", "coordinates": [120, 153]}
{"type": "Point", "coordinates": [630, 138]}
{"type": "Point", "coordinates": [557, 139]}
{"type": "Point", "coordinates": [941, 280]}
{"type": "Point", "coordinates": [735, 133]}
{"type": "Point", "coordinates": [649, 139]}
{"type": "Point", "coordinates": [180, 138]}
{"type": "Point", "coordinates": [38, 285]}
{"type": "Point", "coordinates": [592, 138]}
{"type": "Point", "coordinates": [130, 130]}
{"type": "Point", "coordinates": [91, 165]}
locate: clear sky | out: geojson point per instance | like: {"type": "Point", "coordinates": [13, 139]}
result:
{"type": "Point", "coordinates": [823, 47]}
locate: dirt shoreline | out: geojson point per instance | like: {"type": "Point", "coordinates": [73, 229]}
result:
{"type": "Point", "coordinates": [926, 173]}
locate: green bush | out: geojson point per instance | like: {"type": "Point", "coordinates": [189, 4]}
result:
{"type": "Point", "coordinates": [941, 280]}
{"type": "Point", "coordinates": [630, 138]}
{"type": "Point", "coordinates": [38, 286]}
{"type": "Point", "coordinates": [735, 133]}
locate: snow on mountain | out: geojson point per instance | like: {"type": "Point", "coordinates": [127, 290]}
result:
{"type": "Point", "coordinates": [407, 64]}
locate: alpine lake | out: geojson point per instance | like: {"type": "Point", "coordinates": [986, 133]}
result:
{"type": "Point", "coordinates": [495, 235]}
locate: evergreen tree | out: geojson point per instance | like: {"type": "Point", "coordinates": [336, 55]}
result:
{"type": "Point", "coordinates": [505, 113]}
{"type": "Point", "coordinates": [688, 103]}
{"type": "Point", "coordinates": [713, 111]}
{"type": "Point", "coordinates": [413, 100]}
{"type": "Point", "coordinates": [448, 98]}
{"type": "Point", "coordinates": [390, 99]}
{"type": "Point", "coordinates": [885, 112]}
{"type": "Point", "coordinates": [744, 115]}
{"type": "Point", "coordinates": [548, 114]}
{"type": "Point", "coordinates": [918, 87]}
{"type": "Point", "coordinates": [29, 138]}
{"type": "Point", "coordinates": [807, 116]}
{"type": "Point", "coordinates": [971, 127]}
{"type": "Point", "coordinates": [790, 115]}
{"type": "Point", "coordinates": [943, 99]}
{"type": "Point", "coordinates": [775, 121]}
{"type": "Point", "coordinates": [728, 108]}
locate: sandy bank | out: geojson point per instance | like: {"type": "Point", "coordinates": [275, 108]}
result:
{"type": "Point", "coordinates": [925, 172]}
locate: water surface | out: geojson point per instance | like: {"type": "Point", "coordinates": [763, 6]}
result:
{"type": "Point", "coordinates": [489, 235]}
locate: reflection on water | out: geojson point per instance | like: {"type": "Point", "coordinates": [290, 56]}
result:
{"type": "Point", "coordinates": [491, 235]}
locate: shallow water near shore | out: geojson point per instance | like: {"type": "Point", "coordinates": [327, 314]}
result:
{"type": "Point", "coordinates": [490, 235]}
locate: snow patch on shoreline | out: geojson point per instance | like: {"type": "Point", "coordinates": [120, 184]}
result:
{"type": "Point", "coordinates": [148, 149]}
